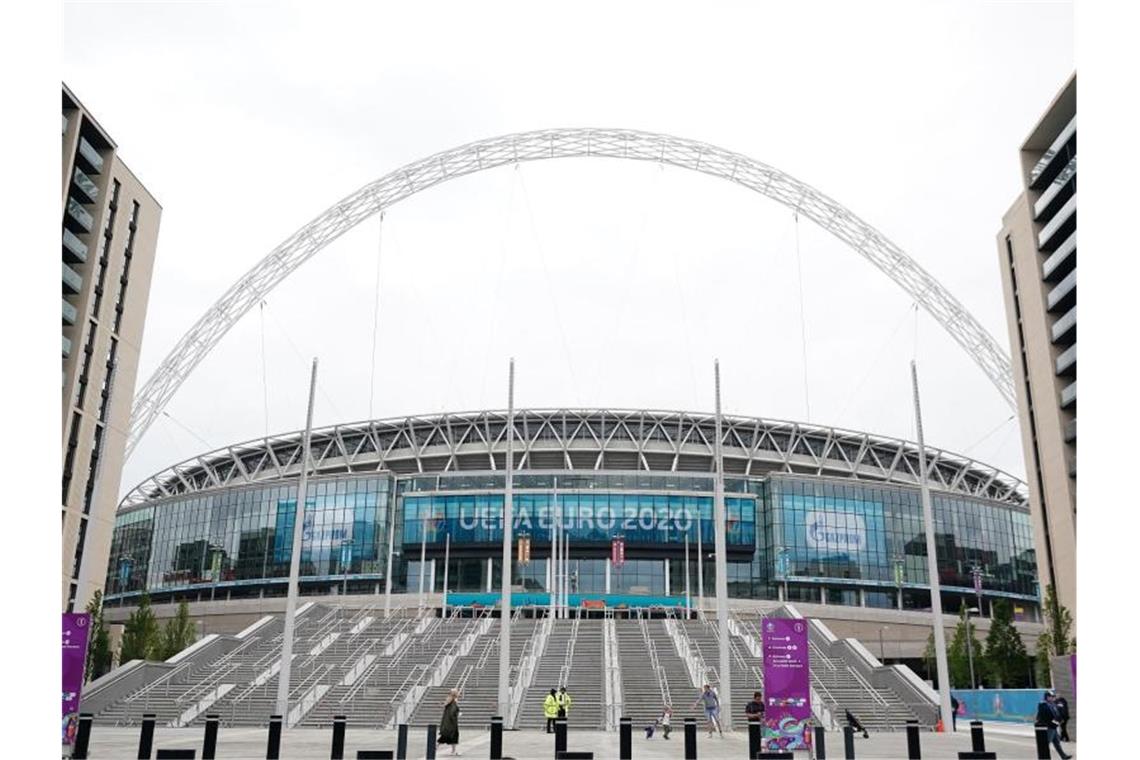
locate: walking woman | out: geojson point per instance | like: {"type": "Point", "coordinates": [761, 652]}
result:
{"type": "Point", "coordinates": [449, 723]}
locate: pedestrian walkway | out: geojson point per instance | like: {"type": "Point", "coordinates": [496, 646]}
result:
{"type": "Point", "coordinates": [308, 743]}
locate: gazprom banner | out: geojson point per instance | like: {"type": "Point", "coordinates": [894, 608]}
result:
{"type": "Point", "coordinates": [832, 529]}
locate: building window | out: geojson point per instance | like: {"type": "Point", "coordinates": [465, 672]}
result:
{"type": "Point", "coordinates": [79, 541]}
{"type": "Point", "coordinates": [88, 350]}
{"type": "Point", "coordinates": [104, 246]}
{"type": "Point", "coordinates": [93, 468]}
{"type": "Point", "coordinates": [69, 457]}
{"type": "Point", "coordinates": [108, 379]}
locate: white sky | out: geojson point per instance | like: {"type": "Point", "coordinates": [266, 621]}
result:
{"type": "Point", "coordinates": [612, 283]}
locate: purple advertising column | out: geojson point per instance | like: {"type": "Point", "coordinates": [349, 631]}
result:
{"type": "Point", "coordinates": [76, 626]}
{"type": "Point", "coordinates": [787, 684]}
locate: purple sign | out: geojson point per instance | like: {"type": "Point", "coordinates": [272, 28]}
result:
{"type": "Point", "coordinates": [787, 684]}
{"type": "Point", "coordinates": [76, 626]}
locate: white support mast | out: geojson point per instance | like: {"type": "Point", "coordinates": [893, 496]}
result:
{"type": "Point", "coordinates": [725, 687]}
{"type": "Point", "coordinates": [508, 523]}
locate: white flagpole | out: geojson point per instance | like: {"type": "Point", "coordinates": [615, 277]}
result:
{"type": "Point", "coordinates": [721, 565]}
{"type": "Point", "coordinates": [508, 525]}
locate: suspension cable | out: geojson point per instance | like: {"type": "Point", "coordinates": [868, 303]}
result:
{"type": "Point", "coordinates": [507, 219]}
{"type": "Point", "coordinates": [264, 368]}
{"type": "Point", "coordinates": [981, 440]}
{"type": "Point", "coordinates": [301, 358]}
{"type": "Point", "coordinates": [209, 446]}
{"type": "Point", "coordinates": [375, 317]}
{"type": "Point", "coordinates": [803, 325]}
{"type": "Point", "coordinates": [875, 361]}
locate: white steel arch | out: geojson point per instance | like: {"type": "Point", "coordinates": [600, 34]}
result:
{"type": "Point", "coordinates": [562, 143]}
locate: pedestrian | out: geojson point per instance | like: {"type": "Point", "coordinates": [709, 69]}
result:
{"type": "Point", "coordinates": [855, 724]}
{"type": "Point", "coordinates": [550, 710]}
{"type": "Point", "coordinates": [1049, 718]}
{"type": "Point", "coordinates": [564, 702]}
{"type": "Point", "coordinates": [663, 721]}
{"type": "Point", "coordinates": [954, 711]}
{"type": "Point", "coordinates": [1063, 715]}
{"type": "Point", "coordinates": [711, 702]}
{"type": "Point", "coordinates": [449, 723]}
{"type": "Point", "coordinates": [754, 710]}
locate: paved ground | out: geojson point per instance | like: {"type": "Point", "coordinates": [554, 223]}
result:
{"type": "Point", "coordinates": [1008, 741]}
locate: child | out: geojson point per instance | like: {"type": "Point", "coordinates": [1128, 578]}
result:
{"type": "Point", "coordinates": [663, 721]}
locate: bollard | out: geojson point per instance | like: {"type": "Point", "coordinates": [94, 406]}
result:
{"type": "Point", "coordinates": [339, 724]}
{"type": "Point", "coordinates": [146, 736]}
{"type": "Point", "coordinates": [568, 755]}
{"type": "Point", "coordinates": [373, 754]}
{"type": "Point", "coordinates": [1041, 733]}
{"type": "Point", "coordinates": [848, 743]}
{"type": "Point", "coordinates": [781, 755]}
{"type": "Point", "coordinates": [625, 740]}
{"type": "Point", "coordinates": [273, 746]}
{"type": "Point", "coordinates": [82, 737]}
{"type": "Point", "coordinates": [690, 739]}
{"type": "Point", "coordinates": [210, 741]}
{"type": "Point", "coordinates": [971, 755]}
{"type": "Point", "coordinates": [913, 748]}
{"type": "Point", "coordinates": [402, 741]}
{"type": "Point", "coordinates": [977, 738]}
{"type": "Point", "coordinates": [175, 754]}
{"type": "Point", "coordinates": [496, 737]}
{"type": "Point", "coordinates": [820, 743]}
{"type": "Point", "coordinates": [559, 736]}
{"type": "Point", "coordinates": [429, 751]}
{"type": "Point", "coordinates": [754, 739]}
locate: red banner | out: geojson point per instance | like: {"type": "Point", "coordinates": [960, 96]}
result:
{"type": "Point", "coordinates": [617, 552]}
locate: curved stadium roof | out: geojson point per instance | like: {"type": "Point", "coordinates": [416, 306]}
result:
{"type": "Point", "coordinates": [581, 439]}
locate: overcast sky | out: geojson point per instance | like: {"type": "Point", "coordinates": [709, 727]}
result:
{"type": "Point", "coordinates": [612, 283]}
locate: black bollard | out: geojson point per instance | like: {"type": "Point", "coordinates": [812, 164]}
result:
{"type": "Point", "coordinates": [848, 743]}
{"type": "Point", "coordinates": [625, 740]}
{"type": "Point", "coordinates": [775, 755]}
{"type": "Point", "coordinates": [559, 736]}
{"type": "Point", "coordinates": [273, 747]}
{"type": "Point", "coordinates": [1042, 735]}
{"type": "Point", "coordinates": [690, 739]}
{"type": "Point", "coordinates": [210, 741]}
{"type": "Point", "coordinates": [429, 751]}
{"type": "Point", "coordinates": [977, 738]}
{"type": "Point", "coordinates": [82, 737]}
{"type": "Point", "coordinates": [754, 739]}
{"type": "Point", "coordinates": [146, 736]}
{"type": "Point", "coordinates": [820, 743]}
{"type": "Point", "coordinates": [496, 737]}
{"type": "Point", "coordinates": [568, 755]}
{"type": "Point", "coordinates": [373, 754]}
{"type": "Point", "coordinates": [337, 753]}
{"type": "Point", "coordinates": [913, 748]}
{"type": "Point", "coordinates": [402, 741]}
{"type": "Point", "coordinates": [175, 754]}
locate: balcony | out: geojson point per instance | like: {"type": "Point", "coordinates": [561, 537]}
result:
{"type": "Point", "coordinates": [90, 156]}
{"type": "Point", "coordinates": [1059, 191]}
{"type": "Point", "coordinates": [1069, 395]}
{"type": "Point", "coordinates": [70, 313]}
{"type": "Point", "coordinates": [88, 190]}
{"type": "Point", "coordinates": [1059, 227]}
{"type": "Point", "coordinates": [1048, 167]}
{"type": "Point", "coordinates": [66, 347]}
{"type": "Point", "coordinates": [77, 218]}
{"type": "Point", "coordinates": [1061, 261]}
{"type": "Point", "coordinates": [74, 249]}
{"type": "Point", "coordinates": [1065, 328]}
{"type": "Point", "coordinates": [1063, 296]}
{"type": "Point", "coordinates": [1067, 362]}
{"type": "Point", "coordinates": [1071, 431]}
{"type": "Point", "coordinates": [65, 124]}
{"type": "Point", "coordinates": [72, 281]}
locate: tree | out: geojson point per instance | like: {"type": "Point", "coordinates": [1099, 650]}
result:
{"type": "Point", "coordinates": [958, 656]}
{"type": "Point", "coordinates": [99, 647]}
{"type": "Point", "coordinates": [1006, 657]}
{"type": "Point", "coordinates": [1056, 639]}
{"type": "Point", "coordinates": [178, 633]}
{"type": "Point", "coordinates": [141, 637]}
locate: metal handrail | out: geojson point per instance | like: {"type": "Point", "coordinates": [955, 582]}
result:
{"type": "Point", "coordinates": [165, 679]}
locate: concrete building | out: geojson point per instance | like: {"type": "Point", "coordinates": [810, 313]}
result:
{"type": "Point", "coordinates": [110, 228]}
{"type": "Point", "coordinates": [1037, 248]}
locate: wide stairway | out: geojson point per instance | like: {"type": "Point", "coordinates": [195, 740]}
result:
{"type": "Point", "coordinates": [574, 659]}
{"type": "Point", "coordinates": [652, 673]}
{"type": "Point", "coordinates": [744, 669]}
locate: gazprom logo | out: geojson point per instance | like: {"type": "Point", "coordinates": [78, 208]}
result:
{"type": "Point", "coordinates": [836, 531]}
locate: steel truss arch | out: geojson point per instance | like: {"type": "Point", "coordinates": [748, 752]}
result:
{"type": "Point", "coordinates": [538, 145]}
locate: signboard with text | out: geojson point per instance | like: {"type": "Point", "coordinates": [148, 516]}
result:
{"type": "Point", "coordinates": [787, 684]}
{"type": "Point", "coordinates": [75, 629]}
{"type": "Point", "coordinates": [617, 552]}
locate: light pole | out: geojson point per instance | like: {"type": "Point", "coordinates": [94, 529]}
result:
{"type": "Point", "coordinates": [899, 579]}
{"type": "Point", "coordinates": [782, 566]}
{"type": "Point", "coordinates": [345, 562]}
{"type": "Point", "coordinates": [970, 647]}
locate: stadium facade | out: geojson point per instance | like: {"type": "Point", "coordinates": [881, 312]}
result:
{"type": "Point", "coordinates": [814, 514]}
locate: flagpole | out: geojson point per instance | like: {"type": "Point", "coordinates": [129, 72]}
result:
{"type": "Point", "coordinates": [508, 526]}
{"type": "Point", "coordinates": [722, 567]}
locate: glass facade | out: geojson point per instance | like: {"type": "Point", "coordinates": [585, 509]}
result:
{"type": "Point", "coordinates": [801, 538]}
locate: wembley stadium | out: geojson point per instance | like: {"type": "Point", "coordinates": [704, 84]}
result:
{"type": "Point", "coordinates": [814, 515]}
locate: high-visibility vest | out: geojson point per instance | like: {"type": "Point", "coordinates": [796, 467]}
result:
{"type": "Point", "coordinates": [550, 706]}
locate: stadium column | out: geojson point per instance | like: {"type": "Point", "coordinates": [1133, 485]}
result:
{"type": "Point", "coordinates": [932, 564]}
{"type": "Point", "coordinates": [295, 561]}
{"type": "Point", "coordinates": [722, 568]}
{"type": "Point", "coordinates": [508, 524]}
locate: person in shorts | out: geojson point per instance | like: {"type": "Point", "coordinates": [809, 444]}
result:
{"type": "Point", "coordinates": [711, 702]}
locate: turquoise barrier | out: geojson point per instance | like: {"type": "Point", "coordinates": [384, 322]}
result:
{"type": "Point", "coordinates": [1009, 705]}
{"type": "Point", "coordinates": [611, 601]}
